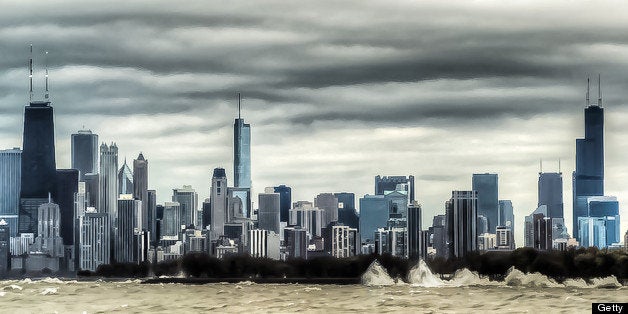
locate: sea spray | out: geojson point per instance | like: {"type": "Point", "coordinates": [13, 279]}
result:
{"type": "Point", "coordinates": [421, 275]}
{"type": "Point", "coordinates": [515, 277]}
{"type": "Point", "coordinates": [376, 275]}
{"type": "Point", "coordinates": [465, 277]}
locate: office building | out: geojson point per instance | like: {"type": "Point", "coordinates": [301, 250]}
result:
{"type": "Point", "coordinates": [5, 246]}
{"type": "Point", "coordinates": [588, 178]}
{"type": "Point", "coordinates": [268, 214]}
{"type": "Point", "coordinates": [347, 214]}
{"type": "Point", "coordinates": [85, 152]}
{"type": "Point", "coordinates": [461, 219]}
{"type": "Point", "coordinates": [140, 187]}
{"type": "Point", "coordinates": [296, 240]}
{"type": "Point", "coordinates": [10, 184]}
{"type": "Point", "coordinates": [188, 200]}
{"type": "Point", "coordinates": [128, 222]}
{"type": "Point", "coordinates": [285, 202]}
{"type": "Point", "coordinates": [238, 203]}
{"type": "Point", "coordinates": [66, 187]}
{"type": "Point", "coordinates": [108, 195]}
{"type": "Point", "coordinates": [264, 243]}
{"type": "Point", "coordinates": [92, 189]}
{"type": "Point", "coordinates": [391, 240]}
{"type": "Point", "coordinates": [218, 203]}
{"type": "Point", "coordinates": [48, 240]}
{"type": "Point", "coordinates": [345, 241]}
{"type": "Point", "coordinates": [374, 214]}
{"type": "Point", "coordinates": [538, 229]}
{"type": "Point", "coordinates": [329, 204]}
{"type": "Point", "coordinates": [125, 179]}
{"type": "Point", "coordinates": [391, 183]}
{"type": "Point", "coordinates": [414, 231]}
{"type": "Point", "coordinates": [398, 200]}
{"type": "Point", "coordinates": [551, 193]}
{"type": "Point", "coordinates": [241, 152]}
{"type": "Point", "coordinates": [504, 239]}
{"type": "Point", "coordinates": [487, 241]}
{"type": "Point", "coordinates": [601, 226]}
{"type": "Point", "coordinates": [94, 230]}
{"type": "Point", "coordinates": [308, 217]}
{"type": "Point", "coordinates": [171, 221]}
{"type": "Point", "coordinates": [151, 208]}
{"type": "Point", "coordinates": [487, 193]}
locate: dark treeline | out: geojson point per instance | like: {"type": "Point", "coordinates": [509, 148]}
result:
{"type": "Point", "coordinates": [573, 263]}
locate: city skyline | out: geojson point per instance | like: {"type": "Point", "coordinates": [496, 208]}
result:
{"type": "Point", "coordinates": [418, 123]}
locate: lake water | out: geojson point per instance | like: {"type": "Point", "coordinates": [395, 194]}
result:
{"type": "Point", "coordinates": [379, 293]}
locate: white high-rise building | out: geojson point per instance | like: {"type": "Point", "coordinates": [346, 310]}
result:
{"type": "Point", "coordinates": [308, 217]}
{"type": "Point", "coordinates": [264, 243]}
{"type": "Point", "coordinates": [344, 241]}
{"type": "Point", "coordinates": [95, 230]}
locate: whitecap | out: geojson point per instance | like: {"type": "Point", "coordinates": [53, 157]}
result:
{"type": "Point", "coordinates": [376, 275]}
{"type": "Point", "coordinates": [421, 275]}
{"type": "Point", "coordinates": [515, 277]}
{"type": "Point", "coordinates": [50, 291]}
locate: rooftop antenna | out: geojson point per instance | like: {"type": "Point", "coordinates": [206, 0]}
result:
{"type": "Point", "coordinates": [30, 75]}
{"type": "Point", "coordinates": [47, 95]}
{"type": "Point", "coordinates": [587, 104]}
{"type": "Point", "coordinates": [599, 90]}
{"type": "Point", "coordinates": [541, 165]}
{"type": "Point", "coordinates": [559, 165]}
{"type": "Point", "coordinates": [239, 105]}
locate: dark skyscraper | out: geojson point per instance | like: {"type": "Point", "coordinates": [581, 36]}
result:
{"type": "Point", "coordinates": [414, 231]}
{"type": "Point", "coordinates": [461, 220]}
{"type": "Point", "coordinates": [285, 202]}
{"type": "Point", "coordinates": [588, 179]}
{"type": "Point", "coordinates": [551, 193]}
{"type": "Point", "coordinates": [67, 185]}
{"type": "Point", "coordinates": [38, 163]}
{"type": "Point", "coordinates": [486, 186]}
{"type": "Point", "coordinates": [389, 183]}
{"type": "Point", "coordinates": [85, 153]}
{"type": "Point", "coordinates": [38, 155]}
{"type": "Point", "coordinates": [241, 152]}
{"type": "Point", "coordinates": [346, 210]}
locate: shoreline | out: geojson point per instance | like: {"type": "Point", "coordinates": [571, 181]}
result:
{"type": "Point", "coordinates": [259, 280]}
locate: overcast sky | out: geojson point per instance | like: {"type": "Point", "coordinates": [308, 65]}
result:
{"type": "Point", "coordinates": [335, 92]}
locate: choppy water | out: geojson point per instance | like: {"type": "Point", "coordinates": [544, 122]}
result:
{"type": "Point", "coordinates": [465, 293]}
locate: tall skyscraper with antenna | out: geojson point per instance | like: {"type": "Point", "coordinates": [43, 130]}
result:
{"type": "Point", "coordinates": [241, 151]}
{"type": "Point", "coordinates": [588, 178]}
{"type": "Point", "coordinates": [38, 157]}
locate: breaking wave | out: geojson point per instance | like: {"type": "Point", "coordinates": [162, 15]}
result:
{"type": "Point", "coordinates": [376, 275]}
{"type": "Point", "coordinates": [421, 275]}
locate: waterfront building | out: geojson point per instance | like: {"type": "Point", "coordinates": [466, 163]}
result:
{"type": "Point", "coordinates": [268, 214]}
{"type": "Point", "coordinates": [374, 214]}
{"type": "Point", "coordinates": [486, 186]}
{"type": "Point", "coordinates": [506, 216]}
{"type": "Point", "coordinates": [347, 214]}
{"type": "Point", "coordinates": [84, 149]}
{"type": "Point", "coordinates": [108, 181]}
{"type": "Point", "coordinates": [538, 229]}
{"type": "Point", "coordinates": [487, 241]}
{"type": "Point", "coordinates": [10, 184]}
{"type": "Point", "coordinates": [308, 217]}
{"type": "Point", "coordinates": [128, 222]}
{"type": "Point", "coordinates": [171, 221]}
{"type": "Point", "coordinates": [344, 241]}
{"type": "Point", "coordinates": [391, 240]}
{"type": "Point", "coordinates": [551, 193]}
{"type": "Point", "coordinates": [264, 243]}
{"type": "Point", "coordinates": [588, 178]}
{"type": "Point", "coordinates": [188, 200]}
{"type": "Point", "coordinates": [296, 240]}
{"type": "Point", "coordinates": [414, 227]}
{"type": "Point", "coordinates": [94, 230]}
{"type": "Point", "coordinates": [329, 204]}
{"type": "Point", "coordinates": [151, 207]}
{"type": "Point", "coordinates": [140, 188]}
{"type": "Point", "coordinates": [66, 187]}
{"type": "Point", "coordinates": [601, 226]}
{"type": "Point", "coordinates": [48, 240]}
{"type": "Point", "coordinates": [504, 239]}
{"type": "Point", "coordinates": [241, 152]}
{"type": "Point", "coordinates": [285, 202]}
{"type": "Point", "coordinates": [5, 246]}
{"type": "Point", "coordinates": [461, 220]}
{"type": "Point", "coordinates": [218, 203]}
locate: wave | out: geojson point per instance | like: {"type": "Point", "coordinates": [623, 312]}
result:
{"type": "Point", "coordinates": [376, 275]}
{"type": "Point", "coordinates": [49, 291]}
{"type": "Point", "coordinates": [421, 275]}
{"type": "Point", "coordinates": [515, 277]}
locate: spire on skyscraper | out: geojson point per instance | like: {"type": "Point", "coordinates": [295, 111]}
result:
{"type": "Point", "coordinates": [599, 90]}
{"type": "Point", "coordinates": [588, 101]}
{"type": "Point", "coordinates": [30, 75]}
{"type": "Point", "coordinates": [47, 95]}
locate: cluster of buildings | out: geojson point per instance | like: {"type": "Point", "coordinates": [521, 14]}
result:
{"type": "Point", "coordinates": [100, 212]}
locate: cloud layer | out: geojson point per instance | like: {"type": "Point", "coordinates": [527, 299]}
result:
{"type": "Point", "coordinates": [336, 93]}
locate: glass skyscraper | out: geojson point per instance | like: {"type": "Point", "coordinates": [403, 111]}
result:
{"type": "Point", "coordinates": [85, 152]}
{"type": "Point", "coordinates": [551, 193]}
{"type": "Point", "coordinates": [285, 202]}
{"type": "Point", "coordinates": [487, 198]}
{"type": "Point", "coordinates": [588, 179]}
{"type": "Point", "coordinates": [241, 152]}
{"type": "Point", "coordinates": [10, 177]}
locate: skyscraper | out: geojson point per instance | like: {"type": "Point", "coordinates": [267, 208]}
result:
{"type": "Point", "coordinates": [10, 181]}
{"type": "Point", "coordinates": [414, 231]}
{"type": "Point", "coordinates": [268, 213]}
{"type": "Point", "coordinates": [109, 181]}
{"type": "Point", "coordinates": [188, 199]}
{"type": "Point", "coordinates": [66, 187]}
{"type": "Point", "coordinates": [171, 221]}
{"type": "Point", "coordinates": [128, 222]}
{"type": "Point", "coordinates": [94, 240]}
{"type": "Point", "coordinates": [218, 202]}
{"type": "Point", "coordinates": [285, 202]}
{"type": "Point", "coordinates": [38, 163]}
{"type": "Point", "coordinates": [551, 193]}
{"type": "Point", "coordinates": [329, 204]}
{"type": "Point", "coordinates": [346, 209]}
{"type": "Point", "coordinates": [85, 152]}
{"type": "Point", "coordinates": [140, 186]}
{"type": "Point", "coordinates": [5, 236]}
{"type": "Point", "coordinates": [506, 215]}
{"type": "Point", "coordinates": [151, 201]}
{"type": "Point", "coordinates": [461, 218]}
{"type": "Point", "coordinates": [487, 198]}
{"type": "Point", "coordinates": [588, 178]}
{"type": "Point", "coordinates": [374, 214]}
{"type": "Point", "coordinates": [241, 152]}
{"type": "Point", "coordinates": [125, 179]}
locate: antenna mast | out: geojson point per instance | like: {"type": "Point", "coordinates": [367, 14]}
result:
{"type": "Point", "coordinates": [30, 75]}
{"type": "Point", "coordinates": [47, 95]}
{"type": "Point", "coordinates": [599, 90]}
{"type": "Point", "coordinates": [541, 165]}
{"type": "Point", "coordinates": [239, 105]}
{"type": "Point", "coordinates": [559, 165]}
{"type": "Point", "coordinates": [587, 104]}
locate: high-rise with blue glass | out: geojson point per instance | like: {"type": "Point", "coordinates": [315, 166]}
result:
{"type": "Point", "coordinates": [241, 152]}
{"type": "Point", "coordinates": [588, 178]}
